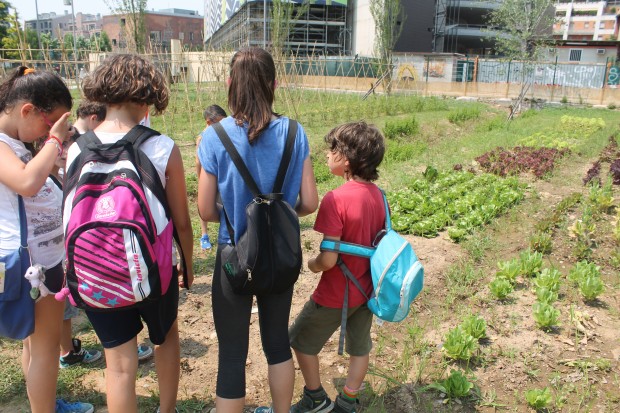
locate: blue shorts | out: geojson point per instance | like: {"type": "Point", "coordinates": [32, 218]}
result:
{"type": "Point", "coordinates": [118, 327]}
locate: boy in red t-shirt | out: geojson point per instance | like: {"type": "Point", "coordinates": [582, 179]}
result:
{"type": "Point", "coordinates": [353, 212]}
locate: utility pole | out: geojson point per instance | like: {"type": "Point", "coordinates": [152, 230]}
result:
{"type": "Point", "coordinates": [66, 3]}
{"type": "Point", "coordinates": [36, 9]}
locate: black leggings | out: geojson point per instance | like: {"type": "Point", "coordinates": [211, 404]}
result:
{"type": "Point", "coordinates": [231, 313]}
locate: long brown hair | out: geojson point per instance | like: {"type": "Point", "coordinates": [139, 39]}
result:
{"type": "Point", "coordinates": [251, 90]}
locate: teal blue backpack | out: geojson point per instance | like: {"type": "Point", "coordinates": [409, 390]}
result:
{"type": "Point", "coordinates": [397, 274]}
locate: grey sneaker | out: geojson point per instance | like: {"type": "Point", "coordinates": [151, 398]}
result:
{"type": "Point", "coordinates": [317, 403]}
{"type": "Point", "coordinates": [343, 405]}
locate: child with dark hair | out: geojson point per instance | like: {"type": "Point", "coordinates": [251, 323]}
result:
{"type": "Point", "coordinates": [211, 114]}
{"type": "Point", "coordinates": [34, 105]}
{"type": "Point", "coordinates": [129, 85]}
{"type": "Point", "coordinates": [353, 212]}
{"type": "Point", "coordinates": [259, 135]}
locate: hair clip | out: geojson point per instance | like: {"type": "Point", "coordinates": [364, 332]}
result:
{"type": "Point", "coordinates": [28, 71]}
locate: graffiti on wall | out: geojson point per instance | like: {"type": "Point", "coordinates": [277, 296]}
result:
{"type": "Point", "coordinates": [435, 69]}
{"type": "Point", "coordinates": [406, 71]}
{"type": "Point", "coordinates": [614, 76]}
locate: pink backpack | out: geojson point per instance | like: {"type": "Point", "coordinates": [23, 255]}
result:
{"type": "Point", "coordinates": [119, 234]}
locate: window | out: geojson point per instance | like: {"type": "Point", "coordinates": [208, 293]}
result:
{"type": "Point", "coordinates": [586, 25]}
{"type": "Point", "coordinates": [155, 36]}
{"type": "Point", "coordinates": [181, 36]}
{"type": "Point", "coordinates": [575, 55]}
{"type": "Point", "coordinates": [191, 36]}
{"type": "Point", "coordinates": [602, 26]}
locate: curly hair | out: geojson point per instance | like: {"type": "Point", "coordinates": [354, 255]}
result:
{"type": "Point", "coordinates": [45, 90]}
{"type": "Point", "coordinates": [127, 78]}
{"type": "Point", "coordinates": [361, 144]}
{"type": "Point", "coordinates": [87, 108]}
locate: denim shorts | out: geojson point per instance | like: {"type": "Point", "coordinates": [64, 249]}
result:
{"type": "Point", "coordinates": [316, 324]}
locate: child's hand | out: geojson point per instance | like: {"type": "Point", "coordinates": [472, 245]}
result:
{"type": "Point", "coordinates": [190, 276]}
{"type": "Point", "coordinates": [62, 129]}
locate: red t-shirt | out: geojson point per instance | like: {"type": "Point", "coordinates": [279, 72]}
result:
{"type": "Point", "coordinates": [354, 212]}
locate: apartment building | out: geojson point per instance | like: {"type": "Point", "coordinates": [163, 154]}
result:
{"type": "Point", "coordinates": [86, 25]}
{"type": "Point", "coordinates": [161, 27]}
{"type": "Point", "coordinates": [587, 20]}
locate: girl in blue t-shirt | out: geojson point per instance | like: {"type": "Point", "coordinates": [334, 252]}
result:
{"type": "Point", "coordinates": [259, 135]}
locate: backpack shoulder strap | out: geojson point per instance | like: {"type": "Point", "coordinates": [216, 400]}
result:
{"type": "Point", "coordinates": [388, 219]}
{"type": "Point", "coordinates": [139, 134]}
{"type": "Point", "coordinates": [236, 158]}
{"type": "Point", "coordinates": [349, 248]}
{"type": "Point", "coordinates": [286, 156]}
{"type": "Point", "coordinates": [345, 304]}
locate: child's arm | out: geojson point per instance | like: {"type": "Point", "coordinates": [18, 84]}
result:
{"type": "Point", "coordinates": [308, 196]}
{"type": "Point", "coordinates": [176, 194]}
{"type": "Point", "coordinates": [325, 260]}
{"type": "Point", "coordinates": [27, 179]}
{"type": "Point", "coordinates": [207, 197]}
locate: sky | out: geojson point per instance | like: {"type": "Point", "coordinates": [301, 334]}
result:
{"type": "Point", "coordinates": [26, 8]}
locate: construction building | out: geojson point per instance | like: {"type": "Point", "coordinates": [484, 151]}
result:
{"type": "Point", "coordinates": [319, 28]}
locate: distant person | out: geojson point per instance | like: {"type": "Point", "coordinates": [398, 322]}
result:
{"type": "Point", "coordinates": [259, 135]}
{"type": "Point", "coordinates": [129, 85]}
{"type": "Point", "coordinates": [212, 114]}
{"type": "Point", "coordinates": [353, 212]}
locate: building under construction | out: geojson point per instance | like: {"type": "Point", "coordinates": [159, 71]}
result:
{"type": "Point", "coordinates": [318, 28]}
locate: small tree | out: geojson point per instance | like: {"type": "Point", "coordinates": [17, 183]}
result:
{"type": "Point", "coordinates": [134, 28]}
{"type": "Point", "coordinates": [284, 15]}
{"type": "Point", "coordinates": [525, 26]}
{"type": "Point", "coordinates": [388, 16]}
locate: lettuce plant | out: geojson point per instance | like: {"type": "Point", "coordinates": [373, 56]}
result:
{"type": "Point", "coordinates": [582, 270]}
{"type": "Point", "coordinates": [531, 262]}
{"type": "Point", "coordinates": [509, 270]}
{"type": "Point", "coordinates": [549, 279]}
{"type": "Point", "coordinates": [475, 326]}
{"type": "Point", "coordinates": [456, 386]}
{"type": "Point", "coordinates": [591, 287]}
{"type": "Point", "coordinates": [545, 295]}
{"type": "Point", "coordinates": [501, 288]}
{"type": "Point", "coordinates": [545, 315]}
{"type": "Point", "coordinates": [538, 398]}
{"type": "Point", "coordinates": [459, 345]}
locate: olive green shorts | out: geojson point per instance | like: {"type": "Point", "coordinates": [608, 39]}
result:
{"type": "Point", "coordinates": [316, 324]}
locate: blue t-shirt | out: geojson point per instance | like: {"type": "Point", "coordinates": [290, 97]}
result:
{"type": "Point", "coordinates": [262, 159]}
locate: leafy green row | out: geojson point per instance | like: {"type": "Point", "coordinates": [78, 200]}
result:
{"type": "Point", "coordinates": [459, 201]}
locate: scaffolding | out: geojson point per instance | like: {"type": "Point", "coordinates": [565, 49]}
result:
{"type": "Point", "coordinates": [320, 30]}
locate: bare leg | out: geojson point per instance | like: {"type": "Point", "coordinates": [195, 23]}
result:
{"type": "Point", "coordinates": [66, 345]}
{"type": "Point", "coordinates": [229, 405]}
{"type": "Point", "coordinates": [281, 384]}
{"type": "Point", "coordinates": [358, 367]}
{"type": "Point", "coordinates": [42, 348]}
{"type": "Point", "coordinates": [309, 366]}
{"type": "Point", "coordinates": [120, 377]}
{"type": "Point", "coordinates": [167, 364]}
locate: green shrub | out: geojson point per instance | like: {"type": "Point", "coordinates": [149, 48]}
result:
{"type": "Point", "coordinates": [400, 151]}
{"type": "Point", "coordinates": [591, 287]}
{"type": "Point", "coordinates": [463, 115]}
{"type": "Point", "coordinates": [549, 279]}
{"type": "Point", "coordinates": [401, 128]}
{"type": "Point", "coordinates": [531, 262]}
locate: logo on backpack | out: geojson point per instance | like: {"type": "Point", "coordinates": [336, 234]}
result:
{"type": "Point", "coordinates": [105, 208]}
{"type": "Point", "coordinates": [118, 228]}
